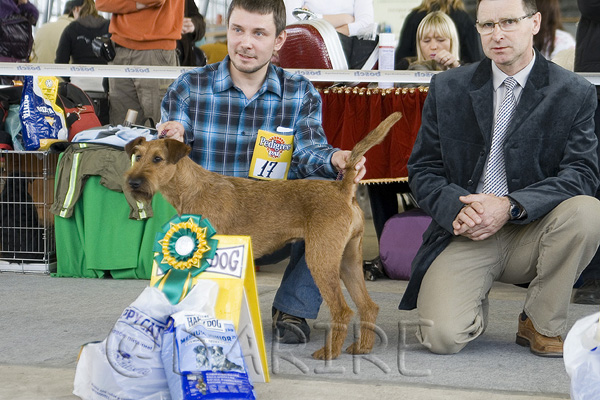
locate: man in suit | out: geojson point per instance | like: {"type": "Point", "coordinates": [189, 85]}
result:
{"type": "Point", "coordinates": [505, 162]}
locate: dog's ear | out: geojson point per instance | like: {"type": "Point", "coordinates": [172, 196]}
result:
{"type": "Point", "coordinates": [176, 150]}
{"type": "Point", "coordinates": [129, 147]}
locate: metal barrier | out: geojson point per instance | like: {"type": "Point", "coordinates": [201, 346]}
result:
{"type": "Point", "coordinates": [154, 72]}
{"type": "Point", "coordinates": [26, 225]}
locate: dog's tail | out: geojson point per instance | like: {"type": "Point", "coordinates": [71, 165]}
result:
{"type": "Point", "coordinates": [374, 137]}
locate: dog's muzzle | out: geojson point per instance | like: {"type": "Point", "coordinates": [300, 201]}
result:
{"type": "Point", "coordinates": [134, 183]}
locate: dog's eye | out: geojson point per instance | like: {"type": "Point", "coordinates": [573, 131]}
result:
{"type": "Point", "coordinates": [157, 159]}
{"type": "Point", "coordinates": [137, 158]}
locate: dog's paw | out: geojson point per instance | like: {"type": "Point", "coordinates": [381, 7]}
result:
{"type": "Point", "coordinates": [355, 348]}
{"type": "Point", "coordinates": [323, 354]}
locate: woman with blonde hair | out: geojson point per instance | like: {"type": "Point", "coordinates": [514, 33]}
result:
{"type": "Point", "coordinates": [437, 45]}
{"type": "Point", "coordinates": [438, 41]}
{"type": "Point", "coordinates": [468, 38]}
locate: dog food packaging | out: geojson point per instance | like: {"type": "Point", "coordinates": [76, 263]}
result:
{"type": "Point", "coordinates": [43, 121]}
{"type": "Point", "coordinates": [127, 364]}
{"type": "Point", "coordinates": [272, 155]}
{"type": "Point", "coordinates": [203, 359]}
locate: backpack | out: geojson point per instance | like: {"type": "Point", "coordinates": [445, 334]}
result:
{"type": "Point", "coordinates": [78, 107]}
{"type": "Point", "coordinates": [16, 37]}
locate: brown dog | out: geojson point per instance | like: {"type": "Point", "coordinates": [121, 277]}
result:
{"type": "Point", "coordinates": [323, 213]}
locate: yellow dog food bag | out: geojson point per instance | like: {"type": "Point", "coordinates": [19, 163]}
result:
{"type": "Point", "coordinates": [272, 155]}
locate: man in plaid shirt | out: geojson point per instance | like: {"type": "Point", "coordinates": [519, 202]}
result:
{"type": "Point", "coordinates": [218, 110]}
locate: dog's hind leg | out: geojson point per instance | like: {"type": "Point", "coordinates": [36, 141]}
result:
{"type": "Point", "coordinates": [323, 259]}
{"type": "Point", "coordinates": [352, 275]}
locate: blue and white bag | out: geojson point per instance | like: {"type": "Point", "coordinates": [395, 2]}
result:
{"type": "Point", "coordinates": [582, 358]}
{"type": "Point", "coordinates": [203, 359]}
{"type": "Point", "coordinates": [127, 364]}
{"type": "Point", "coordinates": [43, 121]}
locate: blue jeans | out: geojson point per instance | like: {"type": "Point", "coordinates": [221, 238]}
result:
{"type": "Point", "coordinates": [298, 294]}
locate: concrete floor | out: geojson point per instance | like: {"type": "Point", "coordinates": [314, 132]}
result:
{"type": "Point", "coordinates": [32, 382]}
{"type": "Point", "coordinates": [37, 383]}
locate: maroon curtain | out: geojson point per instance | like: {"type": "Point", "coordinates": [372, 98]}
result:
{"type": "Point", "coordinates": [350, 113]}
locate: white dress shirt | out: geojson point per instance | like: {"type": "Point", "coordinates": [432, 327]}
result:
{"type": "Point", "coordinates": [362, 10]}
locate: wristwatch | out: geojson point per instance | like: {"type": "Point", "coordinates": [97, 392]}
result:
{"type": "Point", "coordinates": [515, 211]}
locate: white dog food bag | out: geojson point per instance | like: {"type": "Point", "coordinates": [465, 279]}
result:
{"type": "Point", "coordinates": [127, 364]}
{"type": "Point", "coordinates": [203, 359]}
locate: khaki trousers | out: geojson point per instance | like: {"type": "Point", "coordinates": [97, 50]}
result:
{"type": "Point", "coordinates": [143, 95]}
{"type": "Point", "coordinates": [550, 253]}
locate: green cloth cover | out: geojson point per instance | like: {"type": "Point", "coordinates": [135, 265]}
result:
{"type": "Point", "coordinates": [100, 239]}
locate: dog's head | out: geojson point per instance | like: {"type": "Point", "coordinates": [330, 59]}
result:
{"type": "Point", "coordinates": [201, 349]}
{"type": "Point", "coordinates": [217, 354]}
{"type": "Point", "coordinates": [153, 165]}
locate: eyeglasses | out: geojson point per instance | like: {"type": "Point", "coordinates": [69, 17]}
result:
{"type": "Point", "coordinates": [506, 24]}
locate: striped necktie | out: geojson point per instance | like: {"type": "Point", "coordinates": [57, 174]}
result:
{"type": "Point", "coordinates": [495, 174]}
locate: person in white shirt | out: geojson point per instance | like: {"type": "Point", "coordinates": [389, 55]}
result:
{"type": "Point", "coordinates": [349, 17]}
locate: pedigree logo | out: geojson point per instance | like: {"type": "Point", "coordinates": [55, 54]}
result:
{"type": "Point", "coordinates": [275, 146]}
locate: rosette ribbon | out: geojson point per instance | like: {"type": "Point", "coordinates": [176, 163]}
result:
{"type": "Point", "coordinates": [181, 250]}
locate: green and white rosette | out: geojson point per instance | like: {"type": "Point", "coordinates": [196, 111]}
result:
{"type": "Point", "coordinates": [181, 250]}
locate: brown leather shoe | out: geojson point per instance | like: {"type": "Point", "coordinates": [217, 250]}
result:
{"type": "Point", "coordinates": [540, 345]}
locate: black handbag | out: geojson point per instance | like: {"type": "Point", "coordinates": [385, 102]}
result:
{"type": "Point", "coordinates": [103, 47]}
{"type": "Point", "coordinates": [16, 38]}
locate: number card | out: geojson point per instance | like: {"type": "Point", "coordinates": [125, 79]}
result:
{"type": "Point", "coordinates": [272, 155]}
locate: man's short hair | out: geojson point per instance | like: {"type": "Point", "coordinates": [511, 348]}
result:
{"type": "Point", "coordinates": [529, 6]}
{"type": "Point", "coordinates": [263, 7]}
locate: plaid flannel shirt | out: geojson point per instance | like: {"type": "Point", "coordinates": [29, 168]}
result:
{"type": "Point", "coordinates": [221, 124]}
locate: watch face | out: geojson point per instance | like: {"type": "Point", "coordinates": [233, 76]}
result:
{"type": "Point", "coordinates": [514, 211]}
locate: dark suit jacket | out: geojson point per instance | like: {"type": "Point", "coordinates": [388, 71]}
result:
{"type": "Point", "coordinates": [550, 148]}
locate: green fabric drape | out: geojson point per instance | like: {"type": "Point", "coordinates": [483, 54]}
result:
{"type": "Point", "coordinates": [100, 239]}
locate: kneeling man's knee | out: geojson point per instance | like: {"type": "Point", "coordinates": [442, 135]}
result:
{"type": "Point", "coordinates": [582, 212]}
{"type": "Point", "coordinates": [447, 337]}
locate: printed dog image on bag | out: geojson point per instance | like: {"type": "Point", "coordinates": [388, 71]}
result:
{"type": "Point", "coordinates": [220, 362]}
{"type": "Point", "coordinates": [214, 358]}
{"type": "Point", "coordinates": [202, 360]}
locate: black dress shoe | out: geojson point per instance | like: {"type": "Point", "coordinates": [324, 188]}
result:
{"type": "Point", "coordinates": [588, 293]}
